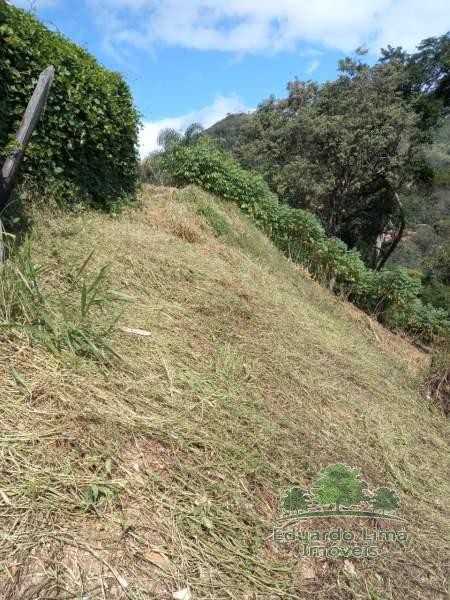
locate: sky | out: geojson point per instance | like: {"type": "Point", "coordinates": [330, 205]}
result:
{"type": "Point", "coordinates": [198, 60]}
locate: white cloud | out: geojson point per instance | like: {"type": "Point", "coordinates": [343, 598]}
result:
{"type": "Point", "coordinates": [207, 116]}
{"type": "Point", "coordinates": [241, 26]}
{"type": "Point", "coordinates": [312, 66]}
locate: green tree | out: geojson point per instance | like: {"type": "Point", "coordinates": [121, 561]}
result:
{"type": "Point", "coordinates": [170, 138]}
{"type": "Point", "coordinates": [385, 499]}
{"type": "Point", "coordinates": [341, 149]}
{"type": "Point", "coordinates": [340, 485]}
{"type": "Point", "coordinates": [296, 499]}
{"type": "Point", "coordinates": [427, 77]}
{"type": "Point", "coordinates": [192, 132]}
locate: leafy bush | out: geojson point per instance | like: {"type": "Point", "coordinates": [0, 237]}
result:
{"type": "Point", "coordinates": [85, 145]}
{"type": "Point", "coordinates": [379, 290]}
{"type": "Point", "coordinates": [391, 295]}
{"type": "Point", "coordinates": [208, 167]}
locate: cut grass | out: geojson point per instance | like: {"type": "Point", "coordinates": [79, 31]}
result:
{"type": "Point", "coordinates": [166, 471]}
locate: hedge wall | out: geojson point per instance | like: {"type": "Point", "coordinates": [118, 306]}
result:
{"type": "Point", "coordinates": [85, 146]}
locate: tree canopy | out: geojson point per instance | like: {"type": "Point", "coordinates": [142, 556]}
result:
{"type": "Point", "coordinates": [343, 149]}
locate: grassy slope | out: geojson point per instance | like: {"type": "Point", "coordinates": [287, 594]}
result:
{"type": "Point", "coordinates": [254, 378]}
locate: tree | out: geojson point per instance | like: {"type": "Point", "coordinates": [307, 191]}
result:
{"type": "Point", "coordinates": [385, 499]}
{"type": "Point", "coordinates": [341, 149]}
{"type": "Point", "coordinates": [296, 499]}
{"type": "Point", "coordinates": [427, 77]}
{"type": "Point", "coordinates": [169, 138]}
{"type": "Point", "coordinates": [340, 485]}
{"type": "Point", "coordinates": [192, 132]}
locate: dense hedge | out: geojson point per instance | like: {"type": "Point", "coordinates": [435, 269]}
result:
{"type": "Point", "coordinates": [86, 142]}
{"type": "Point", "coordinates": [392, 295]}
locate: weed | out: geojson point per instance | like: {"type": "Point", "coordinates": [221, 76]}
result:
{"type": "Point", "coordinates": [61, 320]}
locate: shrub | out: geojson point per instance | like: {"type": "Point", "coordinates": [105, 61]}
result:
{"type": "Point", "coordinates": [85, 146]}
{"type": "Point", "coordinates": [208, 167]}
{"type": "Point", "coordinates": [392, 295]}
{"type": "Point", "coordinates": [378, 291]}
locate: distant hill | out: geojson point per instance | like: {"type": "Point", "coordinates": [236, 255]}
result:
{"type": "Point", "coordinates": [228, 129]}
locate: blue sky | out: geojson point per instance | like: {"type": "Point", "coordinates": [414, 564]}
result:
{"type": "Point", "coordinates": [189, 60]}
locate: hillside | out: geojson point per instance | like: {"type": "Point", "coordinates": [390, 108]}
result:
{"type": "Point", "coordinates": [227, 130]}
{"type": "Point", "coordinates": [425, 246]}
{"type": "Point", "coordinates": [164, 471]}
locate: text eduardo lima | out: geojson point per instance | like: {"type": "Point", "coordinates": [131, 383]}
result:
{"type": "Point", "coordinates": [339, 494]}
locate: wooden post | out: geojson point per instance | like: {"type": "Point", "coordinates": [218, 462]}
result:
{"type": "Point", "coordinates": [29, 122]}
{"type": "Point", "coordinates": [30, 119]}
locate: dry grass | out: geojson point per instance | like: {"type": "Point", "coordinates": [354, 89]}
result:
{"type": "Point", "coordinates": [253, 379]}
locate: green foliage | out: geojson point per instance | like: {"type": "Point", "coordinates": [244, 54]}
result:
{"type": "Point", "coordinates": [339, 149]}
{"type": "Point", "coordinates": [94, 495]}
{"type": "Point", "coordinates": [207, 166]}
{"type": "Point", "coordinates": [426, 247]}
{"type": "Point", "coordinates": [391, 295]}
{"type": "Point", "coordinates": [64, 321]}
{"type": "Point", "coordinates": [85, 146]}
{"type": "Point", "coordinates": [436, 293]}
{"type": "Point", "coordinates": [343, 148]}
{"type": "Point", "coordinates": [340, 485]}
{"type": "Point", "coordinates": [385, 499]}
{"type": "Point", "coordinates": [227, 131]}
{"type": "Point", "coordinates": [424, 321]}
{"type": "Point", "coordinates": [427, 77]}
{"type": "Point", "coordinates": [380, 289]}
{"type": "Point", "coordinates": [151, 170]}
{"type": "Point", "coordinates": [296, 499]}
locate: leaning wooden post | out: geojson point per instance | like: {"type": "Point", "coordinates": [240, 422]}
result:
{"type": "Point", "coordinates": [30, 119]}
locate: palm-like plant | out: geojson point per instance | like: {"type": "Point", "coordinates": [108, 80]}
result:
{"type": "Point", "coordinates": [192, 132]}
{"type": "Point", "coordinates": [169, 138]}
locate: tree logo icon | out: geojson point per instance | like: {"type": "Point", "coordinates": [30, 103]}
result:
{"type": "Point", "coordinates": [296, 500]}
{"type": "Point", "coordinates": [339, 491]}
